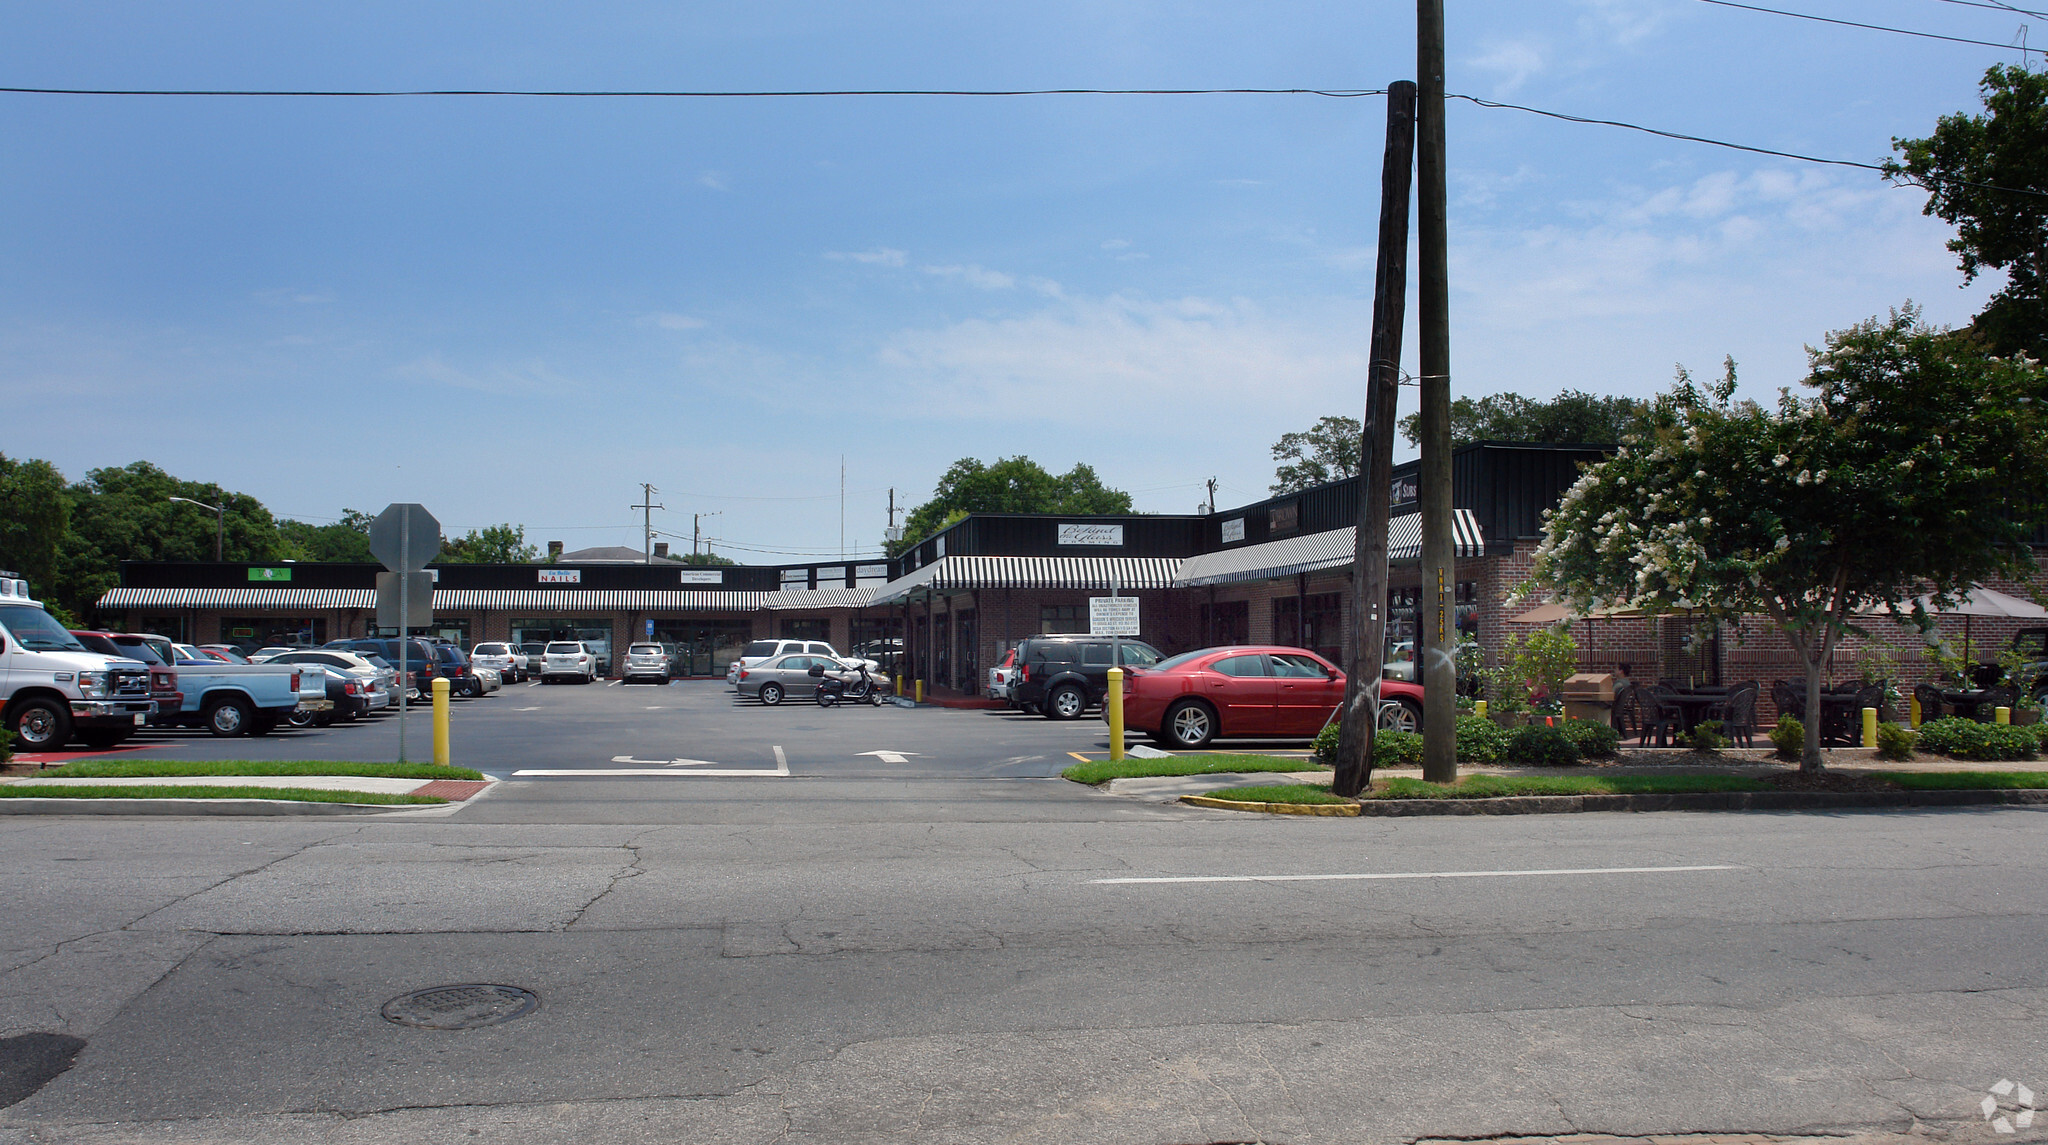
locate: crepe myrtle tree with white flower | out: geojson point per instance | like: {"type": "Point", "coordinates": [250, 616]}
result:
{"type": "Point", "coordinates": [1914, 462]}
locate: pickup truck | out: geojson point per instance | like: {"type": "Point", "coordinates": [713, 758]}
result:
{"type": "Point", "coordinates": [246, 699]}
{"type": "Point", "coordinates": [52, 688]}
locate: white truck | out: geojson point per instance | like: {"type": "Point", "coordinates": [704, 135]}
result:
{"type": "Point", "coordinates": [52, 689]}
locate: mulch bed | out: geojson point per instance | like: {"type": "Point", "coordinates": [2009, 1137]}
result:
{"type": "Point", "coordinates": [1828, 781]}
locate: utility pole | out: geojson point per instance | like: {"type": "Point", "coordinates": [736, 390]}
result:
{"type": "Point", "coordinates": [1438, 641]}
{"type": "Point", "coordinates": [697, 528]}
{"type": "Point", "coordinates": [1376, 453]}
{"type": "Point", "coordinates": [1211, 483]}
{"type": "Point", "coordinates": [647, 506]}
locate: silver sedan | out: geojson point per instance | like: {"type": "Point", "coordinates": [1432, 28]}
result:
{"type": "Point", "coordinates": [786, 675]}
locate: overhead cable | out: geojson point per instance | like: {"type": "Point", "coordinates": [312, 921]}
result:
{"type": "Point", "coordinates": [1876, 27]}
{"type": "Point", "coordinates": [632, 94]}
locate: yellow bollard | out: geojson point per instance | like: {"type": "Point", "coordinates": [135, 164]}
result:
{"type": "Point", "coordinates": [2001, 716]}
{"type": "Point", "coordinates": [920, 691]}
{"type": "Point", "coordinates": [1479, 708]}
{"type": "Point", "coordinates": [1113, 708]}
{"type": "Point", "coordinates": [1870, 727]}
{"type": "Point", "coordinates": [441, 721]}
{"type": "Point", "coordinates": [1914, 717]}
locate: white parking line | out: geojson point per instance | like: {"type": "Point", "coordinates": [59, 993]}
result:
{"type": "Point", "coordinates": [666, 769]}
{"type": "Point", "coordinates": [1413, 875]}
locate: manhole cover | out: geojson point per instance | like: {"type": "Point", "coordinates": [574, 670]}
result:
{"type": "Point", "coordinates": [460, 1007]}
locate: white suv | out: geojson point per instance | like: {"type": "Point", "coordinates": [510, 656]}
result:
{"type": "Point", "coordinates": [504, 659]}
{"type": "Point", "coordinates": [761, 650]}
{"type": "Point", "coordinates": [568, 660]}
{"type": "Point", "coordinates": [645, 662]}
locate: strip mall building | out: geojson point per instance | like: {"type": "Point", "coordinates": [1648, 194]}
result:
{"type": "Point", "coordinates": [1274, 571]}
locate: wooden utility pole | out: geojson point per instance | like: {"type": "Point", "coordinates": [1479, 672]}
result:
{"type": "Point", "coordinates": [1438, 643]}
{"type": "Point", "coordinates": [1376, 452]}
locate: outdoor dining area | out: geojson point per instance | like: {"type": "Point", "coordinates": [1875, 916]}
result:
{"type": "Point", "coordinates": [1670, 709]}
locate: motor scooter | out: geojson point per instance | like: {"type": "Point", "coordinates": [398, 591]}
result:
{"type": "Point", "coordinates": [833, 689]}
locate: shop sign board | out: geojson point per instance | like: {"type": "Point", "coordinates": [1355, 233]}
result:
{"type": "Point", "coordinates": [1078, 534]}
{"type": "Point", "coordinates": [1112, 616]}
{"type": "Point", "coordinates": [270, 574]}
{"type": "Point", "coordinates": [561, 576]}
{"type": "Point", "coordinates": [702, 576]}
{"type": "Point", "coordinates": [1233, 530]}
{"type": "Point", "coordinates": [870, 572]}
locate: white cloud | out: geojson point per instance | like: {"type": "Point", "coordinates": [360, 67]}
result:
{"type": "Point", "coordinates": [976, 276]}
{"type": "Point", "coordinates": [715, 180]}
{"type": "Point", "coordinates": [880, 256]}
{"type": "Point", "coordinates": [1512, 62]}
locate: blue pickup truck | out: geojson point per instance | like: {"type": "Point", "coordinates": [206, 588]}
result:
{"type": "Point", "coordinates": [245, 699]}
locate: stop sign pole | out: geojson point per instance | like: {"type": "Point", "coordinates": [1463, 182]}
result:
{"type": "Point", "coordinates": [404, 537]}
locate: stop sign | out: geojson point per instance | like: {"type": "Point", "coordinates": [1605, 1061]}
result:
{"type": "Point", "coordinates": [405, 537]}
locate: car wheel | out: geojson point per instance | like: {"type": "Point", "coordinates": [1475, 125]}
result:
{"type": "Point", "coordinates": [1190, 724]}
{"type": "Point", "coordinates": [1065, 703]}
{"type": "Point", "coordinates": [1405, 716]}
{"type": "Point", "coordinates": [228, 717]}
{"type": "Point", "coordinates": [771, 694]}
{"type": "Point", "coordinates": [321, 720]}
{"type": "Point", "coordinates": [300, 718]}
{"type": "Point", "coordinates": [40, 725]}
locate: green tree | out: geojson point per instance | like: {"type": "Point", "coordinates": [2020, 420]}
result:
{"type": "Point", "coordinates": [1987, 175]}
{"type": "Point", "coordinates": [1325, 452]}
{"type": "Point", "coordinates": [1915, 465]}
{"type": "Point", "coordinates": [706, 558]}
{"type": "Point", "coordinates": [126, 514]}
{"type": "Point", "coordinates": [1570, 417]}
{"type": "Point", "coordinates": [492, 545]}
{"type": "Point", "coordinates": [34, 513]}
{"type": "Point", "coordinates": [1010, 485]}
{"type": "Point", "coordinates": [345, 540]}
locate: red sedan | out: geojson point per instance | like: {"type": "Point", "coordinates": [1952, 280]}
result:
{"type": "Point", "coordinates": [1248, 690]}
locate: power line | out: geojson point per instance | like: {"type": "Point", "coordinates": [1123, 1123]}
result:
{"type": "Point", "coordinates": [1874, 27]}
{"type": "Point", "coordinates": [1996, 6]}
{"type": "Point", "coordinates": [624, 94]}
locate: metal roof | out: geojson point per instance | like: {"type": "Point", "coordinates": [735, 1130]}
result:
{"type": "Point", "coordinates": [955, 574]}
{"type": "Point", "coordinates": [468, 600]}
{"type": "Point", "coordinates": [1316, 552]}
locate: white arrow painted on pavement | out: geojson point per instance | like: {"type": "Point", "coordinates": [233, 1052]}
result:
{"type": "Point", "coordinates": [781, 769]}
{"type": "Point", "coordinates": [666, 762]}
{"type": "Point", "coordinates": [891, 756]}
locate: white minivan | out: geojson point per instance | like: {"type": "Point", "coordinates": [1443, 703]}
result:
{"type": "Point", "coordinates": [568, 660]}
{"type": "Point", "coordinates": [52, 688]}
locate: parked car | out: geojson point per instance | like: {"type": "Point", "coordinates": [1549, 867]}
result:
{"type": "Point", "coordinates": [568, 660]}
{"type": "Point", "coordinates": [348, 696]}
{"type": "Point", "coordinates": [762, 650]}
{"type": "Point", "coordinates": [263, 655]}
{"type": "Point", "coordinates": [1065, 675]}
{"type": "Point", "coordinates": [52, 687]}
{"type": "Point", "coordinates": [344, 661]}
{"type": "Point", "coordinates": [505, 659]}
{"type": "Point", "coordinates": [999, 677]}
{"type": "Point", "coordinates": [226, 653]}
{"type": "Point", "coordinates": [421, 663]}
{"type": "Point", "coordinates": [1248, 690]}
{"type": "Point", "coordinates": [645, 662]}
{"type": "Point", "coordinates": [452, 663]}
{"type": "Point", "coordinates": [155, 652]}
{"type": "Point", "coordinates": [484, 681]}
{"type": "Point", "coordinates": [777, 677]}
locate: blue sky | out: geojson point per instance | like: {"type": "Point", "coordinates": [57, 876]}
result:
{"type": "Point", "coordinates": [518, 309]}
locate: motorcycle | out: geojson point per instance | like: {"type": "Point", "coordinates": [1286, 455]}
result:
{"type": "Point", "coordinates": [833, 689]}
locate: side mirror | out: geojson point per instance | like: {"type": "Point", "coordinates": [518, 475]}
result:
{"type": "Point", "coordinates": [817, 669]}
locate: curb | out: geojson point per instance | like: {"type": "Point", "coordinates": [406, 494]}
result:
{"type": "Point", "coordinates": [33, 806]}
{"type": "Point", "coordinates": [1335, 810]}
{"type": "Point", "coordinates": [1692, 801]}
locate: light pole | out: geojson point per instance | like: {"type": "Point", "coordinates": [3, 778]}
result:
{"type": "Point", "coordinates": [220, 521]}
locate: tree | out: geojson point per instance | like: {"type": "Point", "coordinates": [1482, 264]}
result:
{"type": "Point", "coordinates": [37, 514]}
{"type": "Point", "coordinates": [1568, 418]}
{"type": "Point", "coordinates": [492, 545]}
{"type": "Point", "coordinates": [126, 514]}
{"type": "Point", "coordinates": [1915, 466]}
{"type": "Point", "coordinates": [1325, 452]}
{"type": "Point", "coordinates": [345, 540]}
{"type": "Point", "coordinates": [706, 558]}
{"type": "Point", "coordinates": [1011, 485]}
{"type": "Point", "coordinates": [1988, 176]}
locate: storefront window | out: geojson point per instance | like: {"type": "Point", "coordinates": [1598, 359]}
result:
{"type": "Point", "coordinates": [809, 628]}
{"type": "Point", "coordinates": [1061, 618]}
{"type": "Point", "coordinates": [252, 632]}
{"type": "Point", "coordinates": [1227, 622]}
{"type": "Point", "coordinates": [703, 647]}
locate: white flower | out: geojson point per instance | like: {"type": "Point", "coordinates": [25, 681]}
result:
{"type": "Point", "coordinates": [1820, 476]}
{"type": "Point", "coordinates": [1906, 466]}
{"type": "Point", "coordinates": [1782, 461]}
{"type": "Point", "coordinates": [1783, 544]}
{"type": "Point", "coordinates": [1804, 478]}
{"type": "Point", "coordinates": [1705, 521]}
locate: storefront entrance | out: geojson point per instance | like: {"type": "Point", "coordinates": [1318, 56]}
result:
{"type": "Point", "coordinates": [704, 647]}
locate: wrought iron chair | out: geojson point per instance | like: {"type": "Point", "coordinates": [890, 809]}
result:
{"type": "Point", "coordinates": [1660, 717]}
{"type": "Point", "coordinates": [1790, 698]}
{"type": "Point", "coordinates": [1738, 713]}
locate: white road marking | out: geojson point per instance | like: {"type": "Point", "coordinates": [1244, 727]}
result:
{"type": "Point", "coordinates": [656, 707]}
{"type": "Point", "coordinates": [665, 762]}
{"type": "Point", "coordinates": [525, 709]}
{"type": "Point", "coordinates": [611, 683]}
{"type": "Point", "coordinates": [891, 756]}
{"type": "Point", "coordinates": [781, 770]}
{"type": "Point", "coordinates": [535, 684]}
{"type": "Point", "coordinates": [1414, 875]}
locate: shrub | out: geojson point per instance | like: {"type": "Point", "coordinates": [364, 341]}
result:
{"type": "Point", "coordinates": [1325, 749]}
{"type": "Point", "coordinates": [1540, 745]}
{"type": "Point", "coordinates": [1968, 739]}
{"type": "Point", "coordinates": [1895, 742]}
{"type": "Point", "coordinates": [1706, 736]}
{"type": "Point", "coordinates": [1480, 740]}
{"type": "Point", "coordinates": [1396, 749]}
{"type": "Point", "coordinates": [1594, 739]}
{"type": "Point", "coordinates": [6, 745]}
{"type": "Point", "coordinates": [1789, 737]}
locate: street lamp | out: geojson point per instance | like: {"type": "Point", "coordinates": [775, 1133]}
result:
{"type": "Point", "coordinates": [220, 521]}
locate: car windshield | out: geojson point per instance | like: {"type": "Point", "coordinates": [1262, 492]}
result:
{"type": "Point", "coordinates": [560, 649]}
{"type": "Point", "coordinates": [141, 650]}
{"type": "Point", "coordinates": [36, 631]}
{"type": "Point", "coordinates": [761, 648]}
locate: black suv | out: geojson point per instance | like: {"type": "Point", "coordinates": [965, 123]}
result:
{"type": "Point", "coordinates": [1063, 676]}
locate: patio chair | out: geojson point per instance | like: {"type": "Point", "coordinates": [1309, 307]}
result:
{"type": "Point", "coordinates": [1790, 698]}
{"type": "Point", "coordinates": [1931, 705]}
{"type": "Point", "coordinates": [1660, 717]}
{"type": "Point", "coordinates": [1738, 713]}
{"type": "Point", "coordinates": [1627, 713]}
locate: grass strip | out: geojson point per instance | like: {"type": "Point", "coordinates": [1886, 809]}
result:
{"type": "Point", "coordinates": [1279, 793]}
{"type": "Point", "coordinates": [1965, 780]}
{"type": "Point", "coordinates": [170, 791]}
{"type": "Point", "coordinates": [1207, 763]}
{"type": "Point", "coordinates": [1494, 786]}
{"type": "Point", "coordinates": [157, 768]}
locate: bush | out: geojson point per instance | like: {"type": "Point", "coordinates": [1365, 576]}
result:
{"type": "Point", "coordinates": [6, 745]}
{"type": "Point", "coordinates": [1480, 740]}
{"type": "Point", "coordinates": [1325, 749]}
{"type": "Point", "coordinates": [1706, 736]}
{"type": "Point", "coordinates": [1396, 749]}
{"type": "Point", "coordinates": [1789, 737]}
{"type": "Point", "coordinates": [1540, 745]}
{"type": "Point", "coordinates": [1594, 739]}
{"type": "Point", "coordinates": [1968, 739]}
{"type": "Point", "coordinates": [1895, 742]}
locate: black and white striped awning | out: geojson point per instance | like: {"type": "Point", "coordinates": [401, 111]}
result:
{"type": "Point", "coordinates": [1317, 552]}
{"type": "Point", "coordinates": [496, 600]}
{"type": "Point", "coordinates": [956, 574]}
{"type": "Point", "coordinates": [256, 598]}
